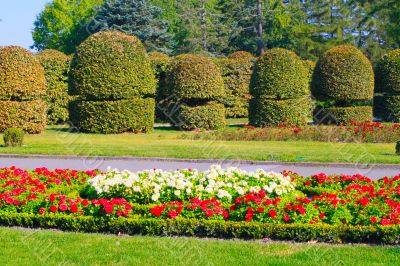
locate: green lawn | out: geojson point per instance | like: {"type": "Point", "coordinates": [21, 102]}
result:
{"type": "Point", "coordinates": [167, 143]}
{"type": "Point", "coordinates": [37, 247]}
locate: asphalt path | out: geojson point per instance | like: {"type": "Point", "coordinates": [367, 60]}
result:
{"type": "Point", "coordinates": [137, 164]}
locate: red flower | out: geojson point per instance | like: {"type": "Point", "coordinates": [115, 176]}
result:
{"type": "Point", "coordinates": [308, 183]}
{"type": "Point", "coordinates": [108, 208]}
{"type": "Point", "coordinates": [42, 210]}
{"type": "Point", "coordinates": [286, 218]}
{"type": "Point", "coordinates": [74, 208]}
{"type": "Point", "coordinates": [85, 202]}
{"type": "Point", "coordinates": [322, 216]}
{"type": "Point", "coordinates": [385, 221]}
{"type": "Point", "coordinates": [53, 209]}
{"type": "Point", "coordinates": [260, 209]}
{"type": "Point", "coordinates": [172, 214]}
{"type": "Point", "coordinates": [272, 213]}
{"type": "Point", "coordinates": [373, 219]}
{"type": "Point", "coordinates": [119, 213]}
{"type": "Point", "coordinates": [209, 213]}
{"type": "Point", "coordinates": [364, 201]}
{"type": "Point", "coordinates": [157, 210]}
{"type": "Point", "coordinates": [63, 207]}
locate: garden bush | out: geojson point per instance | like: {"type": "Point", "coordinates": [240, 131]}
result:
{"type": "Point", "coordinates": [279, 74]}
{"type": "Point", "coordinates": [398, 148]}
{"type": "Point", "coordinates": [342, 115]}
{"type": "Point", "coordinates": [56, 65]}
{"type": "Point", "coordinates": [267, 112]}
{"type": "Point", "coordinates": [28, 115]}
{"type": "Point", "coordinates": [13, 137]}
{"type": "Point", "coordinates": [311, 67]}
{"type": "Point", "coordinates": [111, 117]}
{"type": "Point", "coordinates": [343, 73]}
{"type": "Point", "coordinates": [387, 73]}
{"type": "Point", "coordinates": [195, 77]}
{"type": "Point", "coordinates": [111, 66]}
{"type": "Point", "coordinates": [210, 115]}
{"type": "Point", "coordinates": [241, 55]}
{"type": "Point", "coordinates": [387, 107]}
{"type": "Point", "coordinates": [21, 75]}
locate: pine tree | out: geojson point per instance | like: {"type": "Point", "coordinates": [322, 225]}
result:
{"type": "Point", "coordinates": [139, 18]}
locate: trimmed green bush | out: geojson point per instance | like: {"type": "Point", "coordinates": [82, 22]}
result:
{"type": "Point", "coordinates": [207, 116]}
{"type": "Point", "coordinates": [29, 115]}
{"type": "Point", "coordinates": [311, 67]}
{"type": "Point", "coordinates": [387, 73]}
{"type": "Point", "coordinates": [267, 112]}
{"type": "Point", "coordinates": [56, 65]}
{"type": "Point", "coordinates": [387, 108]}
{"type": "Point", "coordinates": [111, 66]}
{"type": "Point", "coordinates": [241, 55]}
{"type": "Point", "coordinates": [398, 148]}
{"type": "Point", "coordinates": [21, 75]}
{"type": "Point", "coordinates": [112, 117]}
{"type": "Point", "coordinates": [13, 137]}
{"type": "Point", "coordinates": [195, 77]}
{"type": "Point", "coordinates": [343, 73]}
{"type": "Point", "coordinates": [279, 74]}
{"type": "Point", "coordinates": [342, 115]}
{"type": "Point", "coordinates": [236, 74]}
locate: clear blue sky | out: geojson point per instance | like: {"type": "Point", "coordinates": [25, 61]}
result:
{"type": "Point", "coordinates": [16, 21]}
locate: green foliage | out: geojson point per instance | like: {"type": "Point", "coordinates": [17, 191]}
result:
{"type": "Point", "coordinates": [241, 55]}
{"type": "Point", "coordinates": [195, 77]}
{"type": "Point", "coordinates": [13, 137]}
{"type": "Point", "coordinates": [267, 112]}
{"type": "Point", "coordinates": [387, 74]}
{"type": "Point", "coordinates": [387, 107]}
{"type": "Point", "coordinates": [311, 67]}
{"type": "Point", "coordinates": [112, 117]}
{"type": "Point", "coordinates": [28, 115]}
{"type": "Point", "coordinates": [208, 116]}
{"type": "Point", "coordinates": [63, 25]}
{"type": "Point", "coordinates": [398, 148]}
{"type": "Point", "coordinates": [343, 73]}
{"type": "Point", "coordinates": [21, 75]}
{"type": "Point", "coordinates": [56, 66]}
{"type": "Point", "coordinates": [279, 74]}
{"type": "Point", "coordinates": [342, 115]}
{"type": "Point", "coordinates": [111, 66]}
{"type": "Point", "coordinates": [160, 63]}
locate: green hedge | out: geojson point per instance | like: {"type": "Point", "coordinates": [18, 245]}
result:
{"type": "Point", "coordinates": [21, 75]}
{"type": "Point", "coordinates": [111, 66]}
{"type": "Point", "coordinates": [342, 115]}
{"type": "Point", "coordinates": [205, 116]}
{"type": "Point", "coordinates": [28, 115]}
{"type": "Point", "coordinates": [216, 229]}
{"type": "Point", "coordinates": [195, 77]}
{"type": "Point", "coordinates": [387, 73]}
{"type": "Point", "coordinates": [343, 73]}
{"type": "Point", "coordinates": [267, 112]}
{"type": "Point", "coordinates": [56, 65]}
{"type": "Point", "coordinates": [111, 117]}
{"type": "Point", "coordinates": [236, 74]}
{"type": "Point", "coordinates": [398, 148]}
{"type": "Point", "coordinates": [387, 107]}
{"type": "Point", "coordinates": [279, 74]}
{"type": "Point", "coordinates": [241, 55]}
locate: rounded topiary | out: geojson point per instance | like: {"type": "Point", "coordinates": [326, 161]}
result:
{"type": "Point", "coordinates": [209, 116]}
{"type": "Point", "coordinates": [21, 75]}
{"type": "Point", "coordinates": [160, 63]}
{"type": "Point", "coordinates": [110, 66]}
{"type": "Point", "coordinates": [56, 65]}
{"type": "Point", "coordinates": [241, 55]}
{"type": "Point", "coordinates": [279, 74]}
{"type": "Point", "coordinates": [387, 73]}
{"type": "Point", "coordinates": [343, 73]}
{"type": "Point", "coordinates": [13, 137]}
{"type": "Point", "coordinates": [267, 112]}
{"type": "Point", "coordinates": [111, 117]}
{"type": "Point", "coordinates": [195, 77]}
{"type": "Point", "coordinates": [343, 115]}
{"type": "Point", "coordinates": [387, 107]}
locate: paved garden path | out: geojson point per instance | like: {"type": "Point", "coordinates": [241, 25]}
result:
{"type": "Point", "coordinates": [136, 164]}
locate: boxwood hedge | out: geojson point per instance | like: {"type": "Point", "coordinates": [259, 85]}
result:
{"type": "Point", "coordinates": [111, 66]}
{"type": "Point", "coordinates": [111, 117]}
{"type": "Point", "coordinates": [342, 115]}
{"type": "Point", "coordinates": [56, 65]}
{"type": "Point", "coordinates": [387, 107]}
{"type": "Point", "coordinates": [343, 73]}
{"type": "Point", "coordinates": [27, 115]}
{"type": "Point", "coordinates": [387, 73]}
{"type": "Point", "coordinates": [267, 112]}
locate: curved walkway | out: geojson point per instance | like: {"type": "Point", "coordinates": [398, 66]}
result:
{"type": "Point", "coordinates": [137, 164]}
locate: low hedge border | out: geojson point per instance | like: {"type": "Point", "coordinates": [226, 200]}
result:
{"type": "Point", "coordinates": [342, 115]}
{"type": "Point", "coordinates": [218, 229]}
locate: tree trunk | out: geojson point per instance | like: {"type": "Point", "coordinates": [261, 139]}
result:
{"type": "Point", "coordinates": [203, 23]}
{"type": "Point", "coordinates": [259, 26]}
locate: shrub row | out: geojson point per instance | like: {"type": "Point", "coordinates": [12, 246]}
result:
{"type": "Point", "coordinates": [342, 115]}
{"type": "Point", "coordinates": [217, 229]}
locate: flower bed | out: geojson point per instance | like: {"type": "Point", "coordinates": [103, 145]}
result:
{"type": "Point", "coordinates": [367, 132]}
{"type": "Point", "coordinates": [259, 203]}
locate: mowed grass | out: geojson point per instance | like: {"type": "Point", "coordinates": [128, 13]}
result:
{"type": "Point", "coordinates": [38, 247]}
{"type": "Point", "coordinates": [167, 143]}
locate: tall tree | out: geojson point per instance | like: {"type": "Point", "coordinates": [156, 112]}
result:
{"type": "Point", "coordinates": [139, 18]}
{"type": "Point", "coordinates": [62, 25]}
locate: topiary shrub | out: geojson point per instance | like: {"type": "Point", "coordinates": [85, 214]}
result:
{"type": "Point", "coordinates": [398, 148]}
{"type": "Point", "coordinates": [21, 75]}
{"type": "Point", "coordinates": [30, 115]}
{"type": "Point", "coordinates": [342, 115]}
{"type": "Point", "coordinates": [387, 107]}
{"type": "Point", "coordinates": [112, 117]}
{"type": "Point", "coordinates": [111, 66]}
{"type": "Point", "coordinates": [13, 137]}
{"type": "Point", "coordinates": [343, 73]}
{"type": "Point", "coordinates": [267, 112]}
{"type": "Point", "coordinates": [195, 77]}
{"type": "Point", "coordinates": [387, 73]}
{"type": "Point", "coordinates": [310, 65]}
{"type": "Point", "coordinates": [241, 55]}
{"type": "Point", "coordinates": [56, 65]}
{"type": "Point", "coordinates": [279, 74]}
{"type": "Point", "coordinates": [207, 116]}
